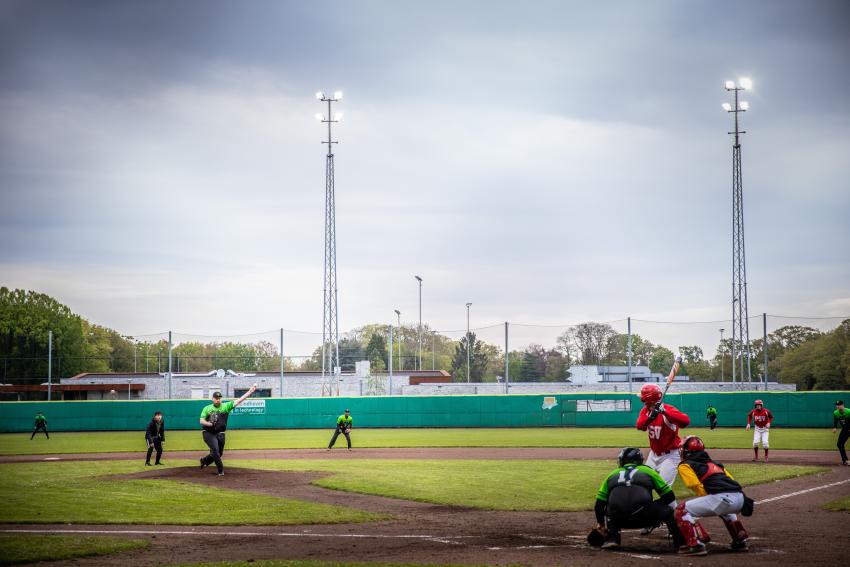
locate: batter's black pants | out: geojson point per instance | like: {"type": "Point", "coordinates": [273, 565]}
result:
{"type": "Point", "coordinates": [842, 439]}
{"type": "Point", "coordinates": [336, 434]}
{"type": "Point", "coordinates": [156, 445]}
{"type": "Point", "coordinates": [44, 428]}
{"type": "Point", "coordinates": [215, 441]}
{"type": "Point", "coordinates": [651, 515]}
{"type": "Point", "coordinates": [713, 421]}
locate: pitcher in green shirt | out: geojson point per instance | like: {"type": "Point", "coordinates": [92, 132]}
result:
{"type": "Point", "coordinates": [40, 425]}
{"type": "Point", "coordinates": [343, 425]}
{"type": "Point", "coordinates": [214, 422]}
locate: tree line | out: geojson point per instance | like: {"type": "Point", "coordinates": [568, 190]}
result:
{"type": "Point", "coordinates": [796, 354]}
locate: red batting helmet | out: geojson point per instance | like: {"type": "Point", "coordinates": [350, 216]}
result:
{"type": "Point", "coordinates": [759, 403]}
{"type": "Point", "coordinates": [650, 394]}
{"type": "Point", "coordinates": [691, 444]}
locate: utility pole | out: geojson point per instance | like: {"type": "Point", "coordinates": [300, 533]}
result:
{"type": "Point", "coordinates": [330, 317]}
{"type": "Point", "coordinates": [420, 321]}
{"type": "Point", "coordinates": [740, 314]}
{"type": "Point", "coordinates": [49, 365]}
{"type": "Point", "coordinates": [467, 343]}
{"type": "Point", "coordinates": [398, 314]}
{"type": "Point", "coordinates": [722, 357]}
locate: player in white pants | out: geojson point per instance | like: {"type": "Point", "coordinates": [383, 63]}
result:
{"type": "Point", "coordinates": [666, 465]}
{"type": "Point", "coordinates": [761, 418]}
{"type": "Point", "coordinates": [718, 495]}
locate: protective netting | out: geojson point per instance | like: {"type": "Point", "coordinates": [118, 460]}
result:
{"type": "Point", "coordinates": [536, 353]}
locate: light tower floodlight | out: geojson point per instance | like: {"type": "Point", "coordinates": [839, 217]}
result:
{"type": "Point", "coordinates": [740, 343]}
{"type": "Point", "coordinates": [319, 117]}
{"type": "Point", "coordinates": [338, 95]}
{"type": "Point", "coordinates": [338, 116]}
{"type": "Point", "coordinates": [726, 106]}
{"type": "Point", "coordinates": [331, 364]}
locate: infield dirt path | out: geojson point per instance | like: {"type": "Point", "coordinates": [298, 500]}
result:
{"type": "Point", "coordinates": [789, 531]}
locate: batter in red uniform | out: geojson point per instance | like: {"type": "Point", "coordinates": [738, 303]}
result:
{"type": "Point", "coordinates": [761, 419]}
{"type": "Point", "coordinates": [662, 422]}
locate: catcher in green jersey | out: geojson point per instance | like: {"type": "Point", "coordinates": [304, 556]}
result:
{"type": "Point", "coordinates": [343, 425]}
{"type": "Point", "coordinates": [625, 500]}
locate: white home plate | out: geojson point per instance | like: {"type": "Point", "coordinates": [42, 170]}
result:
{"type": "Point", "coordinates": [52, 459]}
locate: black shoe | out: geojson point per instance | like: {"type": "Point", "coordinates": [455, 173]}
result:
{"type": "Point", "coordinates": [612, 541]}
{"type": "Point", "coordinates": [158, 463]}
{"type": "Point", "coordinates": [147, 464]}
{"type": "Point", "coordinates": [203, 464]}
{"type": "Point", "coordinates": [739, 546]}
{"type": "Point", "coordinates": [647, 530]}
{"type": "Point", "coordinates": [220, 474]}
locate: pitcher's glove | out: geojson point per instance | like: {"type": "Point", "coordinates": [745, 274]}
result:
{"type": "Point", "coordinates": [597, 536]}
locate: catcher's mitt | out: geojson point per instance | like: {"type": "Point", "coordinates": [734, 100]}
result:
{"type": "Point", "coordinates": [597, 536]}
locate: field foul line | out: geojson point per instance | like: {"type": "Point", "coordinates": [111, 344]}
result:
{"type": "Point", "coordinates": [439, 539]}
{"type": "Point", "coordinates": [799, 492]}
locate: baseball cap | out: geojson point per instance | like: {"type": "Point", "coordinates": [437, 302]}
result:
{"type": "Point", "coordinates": [347, 410]}
{"type": "Point", "coordinates": [216, 394]}
{"type": "Point", "coordinates": [839, 402]}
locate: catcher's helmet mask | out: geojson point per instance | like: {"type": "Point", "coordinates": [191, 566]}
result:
{"type": "Point", "coordinates": [691, 444]}
{"type": "Point", "coordinates": [630, 455]}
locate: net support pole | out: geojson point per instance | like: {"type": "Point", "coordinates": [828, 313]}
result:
{"type": "Point", "coordinates": [390, 359]}
{"type": "Point", "coordinates": [764, 346]}
{"type": "Point", "coordinates": [49, 365]}
{"type": "Point", "coordinates": [170, 345]}
{"type": "Point", "coordinates": [629, 347]}
{"type": "Point", "coordinates": [507, 362]}
{"type": "Point", "coordinates": [281, 362]}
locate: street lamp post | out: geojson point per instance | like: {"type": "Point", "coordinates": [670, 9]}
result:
{"type": "Point", "coordinates": [420, 320]}
{"type": "Point", "coordinates": [722, 356]}
{"type": "Point", "coordinates": [398, 314]}
{"type": "Point", "coordinates": [467, 342]}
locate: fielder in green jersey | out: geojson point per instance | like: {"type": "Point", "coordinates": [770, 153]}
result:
{"type": "Point", "coordinates": [343, 425]}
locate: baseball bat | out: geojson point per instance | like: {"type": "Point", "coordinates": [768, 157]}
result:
{"type": "Point", "coordinates": [673, 371]}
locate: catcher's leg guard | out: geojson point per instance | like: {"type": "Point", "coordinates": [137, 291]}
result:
{"type": "Point", "coordinates": [736, 530]}
{"type": "Point", "coordinates": [702, 533]}
{"type": "Point", "coordinates": [687, 529]}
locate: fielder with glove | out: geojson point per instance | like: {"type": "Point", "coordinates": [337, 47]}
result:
{"type": "Point", "coordinates": [343, 425]}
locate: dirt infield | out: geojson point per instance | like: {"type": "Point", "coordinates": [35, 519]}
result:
{"type": "Point", "coordinates": [786, 531]}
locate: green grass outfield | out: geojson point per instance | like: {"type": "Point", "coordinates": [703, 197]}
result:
{"type": "Point", "coordinates": [124, 441]}
{"type": "Point", "coordinates": [27, 548]}
{"type": "Point", "coordinates": [79, 492]}
{"type": "Point", "coordinates": [840, 505]}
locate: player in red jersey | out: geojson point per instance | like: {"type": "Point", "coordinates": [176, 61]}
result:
{"type": "Point", "coordinates": [761, 419]}
{"type": "Point", "coordinates": [662, 422]}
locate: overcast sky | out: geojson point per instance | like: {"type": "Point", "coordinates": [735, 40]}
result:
{"type": "Point", "coordinates": [551, 162]}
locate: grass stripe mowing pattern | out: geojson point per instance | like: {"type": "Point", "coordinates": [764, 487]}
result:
{"type": "Point", "coordinates": [125, 441]}
{"type": "Point", "coordinates": [27, 548]}
{"type": "Point", "coordinates": [82, 493]}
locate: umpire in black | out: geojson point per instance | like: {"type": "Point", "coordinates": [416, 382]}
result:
{"type": "Point", "coordinates": [155, 437]}
{"type": "Point", "coordinates": [625, 499]}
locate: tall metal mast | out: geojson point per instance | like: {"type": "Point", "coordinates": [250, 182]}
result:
{"type": "Point", "coordinates": [330, 317]}
{"type": "Point", "coordinates": [740, 313]}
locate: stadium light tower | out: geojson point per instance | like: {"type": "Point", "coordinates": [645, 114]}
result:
{"type": "Point", "coordinates": [330, 318]}
{"type": "Point", "coordinates": [740, 315]}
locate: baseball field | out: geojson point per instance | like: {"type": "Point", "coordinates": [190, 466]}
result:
{"type": "Point", "coordinates": [400, 497]}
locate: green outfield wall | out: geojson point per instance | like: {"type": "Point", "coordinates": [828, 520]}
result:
{"type": "Point", "coordinates": [791, 409]}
